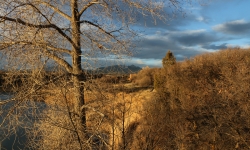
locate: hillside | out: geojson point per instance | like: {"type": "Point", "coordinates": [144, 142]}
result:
{"type": "Point", "coordinates": [119, 69]}
{"type": "Point", "coordinates": [205, 101]}
{"type": "Point", "coordinates": [202, 103]}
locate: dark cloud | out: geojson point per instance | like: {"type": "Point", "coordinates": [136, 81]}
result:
{"type": "Point", "coordinates": [188, 43]}
{"type": "Point", "coordinates": [174, 20]}
{"type": "Point", "coordinates": [234, 27]}
{"type": "Point", "coordinates": [193, 37]}
{"type": "Point", "coordinates": [215, 47]}
{"type": "Point", "coordinates": [153, 48]}
{"type": "Point", "coordinates": [156, 47]}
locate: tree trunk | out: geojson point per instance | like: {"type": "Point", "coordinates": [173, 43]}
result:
{"type": "Point", "coordinates": [77, 75]}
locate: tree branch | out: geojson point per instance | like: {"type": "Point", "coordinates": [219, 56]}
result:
{"type": "Point", "coordinates": [59, 60]}
{"type": "Point", "coordinates": [97, 26]}
{"type": "Point", "coordinates": [59, 49]}
{"type": "Point", "coordinates": [56, 10]}
{"type": "Point", "coordinates": [87, 6]}
{"type": "Point", "coordinates": [18, 20]}
{"type": "Point", "coordinates": [104, 31]}
{"type": "Point", "coordinates": [39, 11]}
{"type": "Point", "coordinates": [30, 4]}
{"type": "Point", "coordinates": [4, 45]}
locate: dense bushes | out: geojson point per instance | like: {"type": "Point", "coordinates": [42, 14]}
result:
{"type": "Point", "coordinates": [144, 77]}
{"type": "Point", "coordinates": [204, 104]}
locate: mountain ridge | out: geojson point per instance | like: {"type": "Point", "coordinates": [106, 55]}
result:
{"type": "Point", "coordinates": [123, 69]}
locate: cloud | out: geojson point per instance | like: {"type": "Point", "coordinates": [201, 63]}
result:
{"type": "Point", "coordinates": [203, 18]}
{"type": "Point", "coordinates": [233, 27]}
{"type": "Point", "coordinates": [144, 62]}
{"type": "Point", "coordinates": [174, 20]}
{"type": "Point", "coordinates": [247, 46]}
{"type": "Point", "coordinates": [200, 18]}
{"type": "Point", "coordinates": [182, 43]}
{"type": "Point", "coordinates": [215, 47]}
{"type": "Point", "coordinates": [193, 37]}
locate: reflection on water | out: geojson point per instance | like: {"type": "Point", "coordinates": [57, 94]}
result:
{"type": "Point", "coordinates": [17, 140]}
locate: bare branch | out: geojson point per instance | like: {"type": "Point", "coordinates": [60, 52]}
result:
{"type": "Point", "coordinates": [59, 49]}
{"type": "Point", "coordinates": [4, 45]}
{"type": "Point", "coordinates": [30, 4]}
{"type": "Point", "coordinates": [39, 11]}
{"type": "Point", "coordinates": [97, 26]}
{"type": "Point", "coordinates": [56, 10]}
{"type": "Point", "coordinates": [87, 6]}
{"type": "Point", "coordinates": [18, 20]}
{"type": "Point", "coordinates": [59, 60]}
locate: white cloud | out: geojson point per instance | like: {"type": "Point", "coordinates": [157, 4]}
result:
{"type": "Point", "coordinates": [139, 61]}
{"type": "Point", "coordinates": [200, 18]}
{"type": "Point", "coordinates": [246, 46]}
{"type": "Point", "coordinates": [188, 32]}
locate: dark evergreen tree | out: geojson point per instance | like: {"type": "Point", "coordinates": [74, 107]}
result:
{"type": "Point", "coordinates": [168, 60]}
{"type": "Point", "coordinates": [160, 76]}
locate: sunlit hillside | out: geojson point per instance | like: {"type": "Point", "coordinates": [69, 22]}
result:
{"type": "Point", "coordinates": [203, 103]}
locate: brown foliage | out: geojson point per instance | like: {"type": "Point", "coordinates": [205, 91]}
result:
{"type": "Point", "coordinates": [205, 104]}
{"type": "Point", "coordinates": [145, 77]}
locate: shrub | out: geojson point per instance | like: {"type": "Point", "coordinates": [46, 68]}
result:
{"type": "Point", "coordinates": [205, 102]}
{"type": "Point", "coordinates": [160, 76]}
{"type": "Point", "coordinates": [159, 80]}
{"type": "Point", "coordinates": [109, 79]}
{"type": "Point", "coordinates": [145, 77]}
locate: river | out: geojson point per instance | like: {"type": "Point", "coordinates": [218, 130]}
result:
{"type": "Point", "coordinates": [17, 140]}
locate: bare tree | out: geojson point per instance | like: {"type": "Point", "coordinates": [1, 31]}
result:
{"type": "Point", "coordinates": [68, 33]}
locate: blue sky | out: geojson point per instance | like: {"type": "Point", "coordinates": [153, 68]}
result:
{"type": "Point", "coordinates": [206, 27]}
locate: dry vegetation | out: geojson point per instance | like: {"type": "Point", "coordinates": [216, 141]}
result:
{"type": "Point", "coordinates": [203, 103]}
{"type": "Point", "coordinates": [72, 36]}
{"type": "Point", "coordinates": [114, 113]}
{"type": "Point", "coordinates": [145, 77]}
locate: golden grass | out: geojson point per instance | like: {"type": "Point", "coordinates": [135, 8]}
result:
{"type": "Point", "coordinates": [113, 104]}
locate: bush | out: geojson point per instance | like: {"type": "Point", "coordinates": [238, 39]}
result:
{"type": "Point", "coordinates": [109, 79]}
{"type": "Point", "coordinates": [145, 77]}
{"type": "Point", "coordinates": [205, 102]}
{"type": "Point", "coordinates": [159, 80]}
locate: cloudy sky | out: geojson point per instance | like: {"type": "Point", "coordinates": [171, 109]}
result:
{"type": "Point", "coordinates": [202, 27]}
{"type": "Point", "coordinates": [208, 27]}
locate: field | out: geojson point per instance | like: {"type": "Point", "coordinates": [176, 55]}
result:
{"type": "Point", "coordinates": [112, 107]}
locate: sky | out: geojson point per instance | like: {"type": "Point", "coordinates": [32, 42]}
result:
{"type": "Point", "coordinates": [204, 27]}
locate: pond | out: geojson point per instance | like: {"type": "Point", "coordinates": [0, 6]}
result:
{"type": "Point", "coordinates": [17, 140]}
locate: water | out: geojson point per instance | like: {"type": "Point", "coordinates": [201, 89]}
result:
{"type": "Point", "coordinates": [19, 138]}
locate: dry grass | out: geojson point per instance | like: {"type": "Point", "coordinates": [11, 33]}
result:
{"type": "Point", "coordinates": [205, 103]}
{"type": "Point", "coordinates": [121, 106]}
{"type": "Point", "coordinates": [205, 98]}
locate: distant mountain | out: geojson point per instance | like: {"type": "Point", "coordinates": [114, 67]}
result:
{"type": "Point", "coordinates": [121, 69]}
